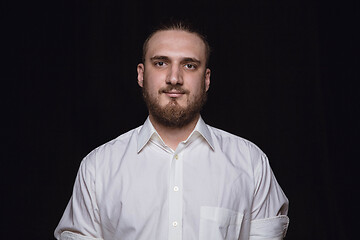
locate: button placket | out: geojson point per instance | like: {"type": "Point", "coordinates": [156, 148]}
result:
{"type": "Point", "coordinates": [175, 198]}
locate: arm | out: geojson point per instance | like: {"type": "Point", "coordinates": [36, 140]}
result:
{"type": "Point", "coordinates": [66, 235]}
{"type": "Point", "coordinates": [270, 205]}
{"type": "Point", "coordinates": [80, 220]}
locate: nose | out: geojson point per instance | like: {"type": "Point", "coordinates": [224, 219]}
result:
{"type": "Point", "coordinates": [174, 76]}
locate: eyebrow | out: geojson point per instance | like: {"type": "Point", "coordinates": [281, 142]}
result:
{"type": "Point", "coordinates": [184, 60]}
{"type": "Point", "coordinates": [160, 58]}
{"type": "Point", "coordinates": [192, 60]}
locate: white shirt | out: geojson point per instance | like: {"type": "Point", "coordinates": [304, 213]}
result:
{"type": "Point", "coordinates": [215, 185]}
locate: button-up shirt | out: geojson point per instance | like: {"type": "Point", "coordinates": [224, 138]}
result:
{"type": "Point", "coordinates": [215, 185]}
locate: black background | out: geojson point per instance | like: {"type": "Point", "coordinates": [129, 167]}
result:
{"type": "Point", "coordinates": [284, 75]}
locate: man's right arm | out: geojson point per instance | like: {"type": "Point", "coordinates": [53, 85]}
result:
{"type": "Point", "coordinates": [80, 220]}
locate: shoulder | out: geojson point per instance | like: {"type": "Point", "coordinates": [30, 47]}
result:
{"type": "Point", "coordinates": [236, 145]}
{"type": "Point", "coordinates": [224, 138]}
{"type": "Point", "coordinates": [112, 148]}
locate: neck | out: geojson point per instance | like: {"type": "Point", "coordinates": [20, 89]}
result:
{"type": "Point", "coordinates": [172, 136]}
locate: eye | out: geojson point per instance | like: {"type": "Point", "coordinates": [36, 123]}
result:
{"type": "Point", "coordinates": [159, 64]}
{"type": "Point", "coordinates": [190, 66]}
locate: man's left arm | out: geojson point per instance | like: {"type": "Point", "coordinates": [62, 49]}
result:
{"type": "Point", "coordinates": [270, 205]}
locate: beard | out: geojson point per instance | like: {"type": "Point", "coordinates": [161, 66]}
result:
{"type": "Point", "coordinates": [172, 114]}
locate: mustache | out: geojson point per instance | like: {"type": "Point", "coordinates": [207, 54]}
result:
{"type": "Point", "coordinates": [174, 88]}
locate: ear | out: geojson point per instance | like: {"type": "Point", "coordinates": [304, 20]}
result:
{"type": "Point", "coordinates": [140, 71]}
{"type": "Point", "coordinates": [207, 78]}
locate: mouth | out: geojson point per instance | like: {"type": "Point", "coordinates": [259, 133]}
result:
{"type": "Point", "coordinates": [174, 92]}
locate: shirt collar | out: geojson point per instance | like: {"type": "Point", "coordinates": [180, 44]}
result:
{"type": "Point", "coordinates": [147, 131]}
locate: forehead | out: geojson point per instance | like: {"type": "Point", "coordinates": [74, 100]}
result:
{"type": "Point", "coordinates": [176, 43]}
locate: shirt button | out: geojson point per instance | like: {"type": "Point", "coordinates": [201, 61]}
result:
{"type": "Point", "coordinates": [176, 188]}
{"type": "Point", "coordinates": [174, 224]}
{"type": "Point", "coordinates": [176, 157]}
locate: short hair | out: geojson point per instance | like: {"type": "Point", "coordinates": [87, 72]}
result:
{"type": "Point", "coordinates": [180, 25]}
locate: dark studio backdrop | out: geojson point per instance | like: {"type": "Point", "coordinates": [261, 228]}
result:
{"type": "Point", "coordinates": [284, 75]}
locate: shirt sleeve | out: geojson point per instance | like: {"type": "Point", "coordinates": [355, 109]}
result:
{"type": "Point", "coordinates": [81, 217]}
{"type": "Point", "coordinates": [270, 205]}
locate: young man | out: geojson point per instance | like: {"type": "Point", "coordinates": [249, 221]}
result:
{"type": "Point", "coordinates": [175, 177]}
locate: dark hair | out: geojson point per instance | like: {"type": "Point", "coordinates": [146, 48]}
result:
{"type": "Point", "coordinates": [181, 26]}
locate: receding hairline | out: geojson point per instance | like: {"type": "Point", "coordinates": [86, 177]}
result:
{"type": "Point", "coordinates": [199, 35]}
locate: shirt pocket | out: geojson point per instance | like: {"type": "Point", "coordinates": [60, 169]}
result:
{"type": "Point", "coordinates": [219, 223]}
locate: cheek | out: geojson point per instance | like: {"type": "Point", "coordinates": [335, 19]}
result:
{"type": "Point", "coordinates": [150, 84]}
{"type": "Point", "coordinates": [197, 86]}
{"type": "Point", "coordinates": [151, 91]}
{"type": "Point", "coordinates": [154, 80]}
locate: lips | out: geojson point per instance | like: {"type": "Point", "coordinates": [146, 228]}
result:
{"type": "Point", "coordinates": [174, 94]}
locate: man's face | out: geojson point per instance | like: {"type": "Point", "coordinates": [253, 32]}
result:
{"type": "Point", "coordinates": [174, 78]}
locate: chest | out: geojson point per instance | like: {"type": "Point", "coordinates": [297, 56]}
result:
{"type": "Point", "coordinates": [155, 190]}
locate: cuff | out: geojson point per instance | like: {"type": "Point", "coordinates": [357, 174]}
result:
{"type": "Point", "coordinates": [269, 228]}
{"type": "Point", "coordinates": [66, 235]}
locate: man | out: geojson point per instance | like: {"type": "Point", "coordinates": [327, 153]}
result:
{"type": "Point", "coordinates": [175, 177]}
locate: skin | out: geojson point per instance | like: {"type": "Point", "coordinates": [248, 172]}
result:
{"type": "Point", "coordinates": [174, 58]}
